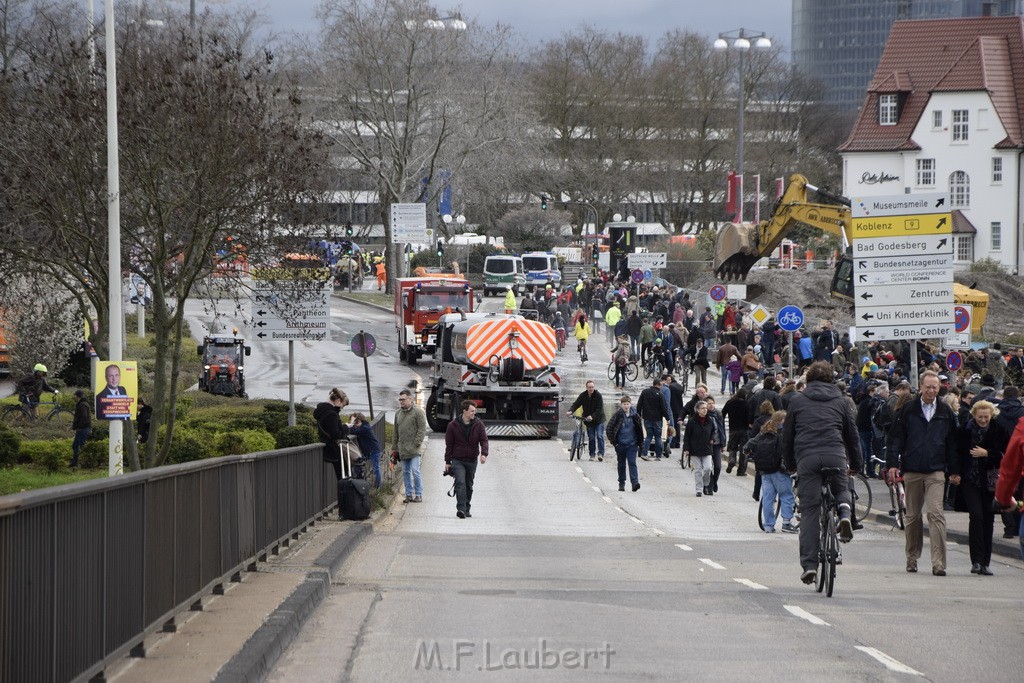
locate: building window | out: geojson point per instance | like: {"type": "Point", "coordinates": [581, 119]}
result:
{"type": "Point", "coordinates": [887, 110]}
{"type": "Point", "coordinates": [965, 248]}
{"type": "Point", "coordinates": [997, 235]}
{"type": "Point", "coordinates": [997, 169]}
{"type": "Point", "coordinates": [937, 119]}
{"type": "Point", "coordinates": [926, 172]}
{"type": "Point", "coordinates": [959, 190]}
{"type": "Point", "coordinates": [959, 125]}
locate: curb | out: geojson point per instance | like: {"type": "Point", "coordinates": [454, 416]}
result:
{"type": "Point", "coordinates": [1002, 547]}
{"type": "Point", "coordinates": [363, 303]}
{"type": "Point", "coordinates": [260, 653]}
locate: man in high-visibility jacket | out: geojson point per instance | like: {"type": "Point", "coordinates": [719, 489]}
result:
{"type": "Point", "coordinates": [611, 318]}
{"type": "Point", "coordinates": [382, 276]}
{"type": "Point", "coordinates": [510, 300]}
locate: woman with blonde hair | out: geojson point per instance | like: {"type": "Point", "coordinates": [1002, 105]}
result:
{"type": "Point", "coordinates": [330, 428]}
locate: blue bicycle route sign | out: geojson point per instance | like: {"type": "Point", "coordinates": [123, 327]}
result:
{"type": "Point", "coordinates": [790, 318]}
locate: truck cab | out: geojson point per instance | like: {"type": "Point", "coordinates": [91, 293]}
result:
{"type": "Point", "coordinates": [419, 303]}
{"type": "Point", "coordinates": [542, 269]}
{"type": "Point", "coordinates": [500, 271]}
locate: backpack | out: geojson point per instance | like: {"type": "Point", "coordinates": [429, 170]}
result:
{"type": "Point", "coordinates": [881, 420]}
{"type": "Point", "coordinates": [767, 453]}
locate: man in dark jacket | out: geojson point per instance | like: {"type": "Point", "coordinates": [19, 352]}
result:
{"type": "Point", "coordinates": [767, 392]}
{"type": "Point", "coordinates": [624, 433]}
{"type": "Point", "coordinates": [592, 404]}
{"type": "Point", "coordinates": [922, 443]}
{"type": "Point", "coordinates": [653, 408]}
{"type": "Point", "coordinates": [820, 431]}
{"type": "Point", "coordinates": [81, 424]}
{"type": "Point", "coordinates": [465, 440]}
{"type": "Point", "coordinates": [676, 396]}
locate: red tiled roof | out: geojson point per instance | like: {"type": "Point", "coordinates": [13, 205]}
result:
{"type": "Point", "coordinates": [961, 225]}
{"type": "Point", "coordinates": [944, 55]}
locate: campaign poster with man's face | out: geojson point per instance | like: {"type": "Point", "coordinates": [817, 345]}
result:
{"type": "Point", "coordinates": [116, 386]}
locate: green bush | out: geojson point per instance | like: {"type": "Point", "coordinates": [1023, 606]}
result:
{"type": "Point", "coordinates": [50, 455]}
{"type": "Point", "coordinates": [185, 403]}
{"type": "Point", "coordinates": [243, 441]}
{"type": "Point", "coordinates": [248, 422]}
{"type": "Point", "coordinates": [988, 265]}
{"type": "Point", "coordinates": [299, 435]}
{"type": "Point", "coordinates": [94, 454]}
{"type": "Point", "coordinates": [10, 444]}
{"type": "Point", "coordinates": [189, 445]}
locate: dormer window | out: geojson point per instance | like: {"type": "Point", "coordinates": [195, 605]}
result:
{"type": "Point", "coordinates": [888, 110]}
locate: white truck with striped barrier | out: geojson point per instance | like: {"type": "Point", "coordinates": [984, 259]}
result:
{"type": "Point", "coordinates": [503, 363]}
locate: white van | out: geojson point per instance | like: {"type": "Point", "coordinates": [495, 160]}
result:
{"type": "Point", "coordinates": [502, 270]}
{"type": "Point", "coordinates": [542, 269]}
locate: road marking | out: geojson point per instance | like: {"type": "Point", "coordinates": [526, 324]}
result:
{"type": "Point", "coordinates": [684, 547]}
{"type": "Point", "coordinates": [620, 509]}
{"type": "Point", "coordinates": [587, 479]}
{"type": "Point", "coordinates": [596, 488]}
{"type": "Point", "coordinates": [635, 519]}
{"type": "Point", "coordinates": [750, 584]}
{"type": "Point", "coordinates": [659, 532]}
{"type": "Point", "coordinates": [797, 612]}
{"type": "Point", "coordinates": [890, 663]}
{"type": "Point", "coordinates": [578, 468]}
{"type": "Point", "coordinates": [711, 563]}
{"type": "Point", "coordinates": [607, 499]}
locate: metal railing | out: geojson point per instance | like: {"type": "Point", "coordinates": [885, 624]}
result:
{"type": "Point", "coordinates": [88, 570]}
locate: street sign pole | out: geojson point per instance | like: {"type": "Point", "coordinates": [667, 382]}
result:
{"type": "Point", "coordinates": [366, 371]}
{"type": "Point", "coordinates": [349, 274]}
{"type": "Point", "coordinates": [792, 370]}
{"type": "Point", "coordinates": [913, 366]}
{"type": "Point", "coordinates": [291, 383]}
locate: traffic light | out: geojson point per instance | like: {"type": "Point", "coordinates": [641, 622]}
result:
{"type": "Point", "coordinates": [544, 202]}
{"type": "Point", "coordinates": [440, 248]}
{"type": "Point", "coordinates": [596, 255]}
{"type": "Point", "coordinates": [348, 229]}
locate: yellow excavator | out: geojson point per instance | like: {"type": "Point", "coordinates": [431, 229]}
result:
{"type": "Point", "coordinates": [740, 245]}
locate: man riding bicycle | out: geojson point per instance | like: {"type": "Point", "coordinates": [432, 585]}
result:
{"type": "Point", "coordinates": [559, 326]}
{"type": "Point", "coordinates": [820, 432]}
{"type": "Point", "coordinates": [31, 387]}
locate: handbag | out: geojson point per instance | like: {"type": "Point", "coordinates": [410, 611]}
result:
{"type": "Point", "coordinates": [991, 477]}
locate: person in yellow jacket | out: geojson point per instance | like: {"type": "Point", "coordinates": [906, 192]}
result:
{"type": "Point", "coordinates": [510, 300]}
{"type": "Point", "coordinates": [611, 319]}
{"type": "Point", "coordinates": [582, 333]}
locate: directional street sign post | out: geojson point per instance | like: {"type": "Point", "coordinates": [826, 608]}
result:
{"type": "Point", "coordinates": [409, 223]}
{"type": "Point", "coordinates": [903, 268]}
{"type": "Point", "coordinates": [648, 260]}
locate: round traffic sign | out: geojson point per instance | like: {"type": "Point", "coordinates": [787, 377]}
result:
{"type": "Point", "coordinates": [648, 274]}
{"type": "Point", "coordinates": [637, 276]}
{"type": "Point", "coordinates": [954, 361]}
{"type": "Point", "coordinates": [963, 318]}
{"type": "Point", "coordinates": [363, 344]}
{"type": "Point", "coordinates": [717, 293]}
{"type": "Point", "coordinates": [790, 318]}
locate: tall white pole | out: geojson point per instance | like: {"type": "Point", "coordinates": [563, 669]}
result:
{"type": "Point", "coordinates": [115, 453]}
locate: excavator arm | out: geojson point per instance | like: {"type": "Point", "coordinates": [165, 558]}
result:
{"type": "Point", "coordinates": [741, 245]}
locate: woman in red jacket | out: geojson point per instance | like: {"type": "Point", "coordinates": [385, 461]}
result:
{"type": "Point", "coordinates": [463, 440]}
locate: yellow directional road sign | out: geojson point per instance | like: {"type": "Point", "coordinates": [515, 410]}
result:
{"type": "Point", "coordinates": [900, 226]}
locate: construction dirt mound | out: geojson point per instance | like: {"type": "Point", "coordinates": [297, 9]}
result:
{"type": "Point", "coordinates": [810, 291]}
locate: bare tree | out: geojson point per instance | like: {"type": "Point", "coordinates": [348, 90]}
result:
{"type": "Point", "coordinates": [531, 228]}
{"type": "Point", "coordinates": [410, 104]}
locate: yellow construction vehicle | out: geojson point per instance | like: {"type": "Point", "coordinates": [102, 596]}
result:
{"type": "Point", "coordinates": [740, 245]}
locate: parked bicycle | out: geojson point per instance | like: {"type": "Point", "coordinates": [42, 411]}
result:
{"type": "Point", "coordinates": [20, 414]}
{"type": "Point", "coordinates": [897, 494]}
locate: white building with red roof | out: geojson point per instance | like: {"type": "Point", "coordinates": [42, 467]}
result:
{"type": "Point", "coordinates": [945, 112]}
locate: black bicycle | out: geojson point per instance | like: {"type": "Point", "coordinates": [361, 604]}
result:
{"type": "Point", "coordinates": [653, 366]}
{"type": "Point", "coordinates": [631, 370]}
{"type": "Point", "coordinates": [20, 414]}
{"type": "Point", "coordinates": [828, 540]}
{"type": "Point", "coordinates": [579, 438]}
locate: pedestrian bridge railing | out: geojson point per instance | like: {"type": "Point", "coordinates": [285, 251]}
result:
{"type": "Point", "coordinates": [88, 570]}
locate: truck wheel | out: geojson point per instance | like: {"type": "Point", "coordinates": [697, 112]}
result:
{"type": "Point", "coordinates": [401, 353]}
{"type": "Point", "coordinates": [436, 423]}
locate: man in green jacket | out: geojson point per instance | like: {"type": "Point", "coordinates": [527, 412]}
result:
{"type": "Point", "coordinates": [407, 444]}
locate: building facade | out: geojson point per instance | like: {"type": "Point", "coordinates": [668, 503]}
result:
{"type": "Point", "coordinates": [942, 115]}
{"type": "Point", "coordinates": [839, 42]}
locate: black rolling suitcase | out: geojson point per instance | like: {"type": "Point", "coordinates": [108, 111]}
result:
{"type": "Point", "coordinates": [353, 494]}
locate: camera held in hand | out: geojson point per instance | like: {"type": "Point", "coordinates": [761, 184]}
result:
{"type": "Point", "coordinates": [449, 472]}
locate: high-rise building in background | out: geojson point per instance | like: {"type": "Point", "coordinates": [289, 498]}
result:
{"type": "Point", "coordinates": [839, 42]}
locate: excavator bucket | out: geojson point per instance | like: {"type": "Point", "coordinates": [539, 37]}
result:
{"type": "Point", "coordinates": [736, 250]}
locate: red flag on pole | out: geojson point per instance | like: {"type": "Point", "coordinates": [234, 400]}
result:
{"type": "Point", "coordinates": [730, 193]}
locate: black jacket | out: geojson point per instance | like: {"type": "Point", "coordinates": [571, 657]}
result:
{"type": "Point", "coordinates": [1010, 411]}
{"type": "Point", "coordinates": [676, 394]}
{"type": "Point", "coordinates": [652, 406]}
{"type": "Point", "coordinates": [81, 419]}
{"type": "Point", "coordinates": [593, 406]}
{"type": "Point", "coordinates": [738, 413]}
{"type": "Point", "coordinates": [919, 446]}
{"type": "Point", "coordinates": [615, 424]}
{"type": "Point", "coordinates": [759, 397]}
{"type": "Point", "coordinates": [994, 440]}
{"type": "Point", "coordinates": [698, 435]}
{"type": "Point", "coordinates": [820, 422]}
{"type": "Point", "coordinates": [330, 429]}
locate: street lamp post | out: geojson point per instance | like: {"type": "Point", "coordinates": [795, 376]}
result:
{"type": "Point", "coordinates": [740, 40]}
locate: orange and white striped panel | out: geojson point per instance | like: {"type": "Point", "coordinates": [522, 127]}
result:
{"type": "Point", "coordinates": [491, 338]}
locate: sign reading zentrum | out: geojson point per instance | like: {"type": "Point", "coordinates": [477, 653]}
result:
{"type": "Point", "coordinates": [903, 266]}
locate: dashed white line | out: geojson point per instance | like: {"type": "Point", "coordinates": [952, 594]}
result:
{"type": "Point", "coordinates": [635, 519]}
{"type": "Point", "coordinates": [578, 468]}
{"type": "Point", "coordinates": [750, 584]}
{"type": "Point", "coordinates": [658, 532]}
{"type": "Point", "coordinates": [619, 509]}
{"type": "Point", "coordinates": [889, 663]}
{"type": "Point", "coordinates": [797, 612]}
{"type": "Point", "coordinates": [685, 547]}
{"type": "Point", "coordinates": [596, 488]}
{"type": "Point", "coordinates": [711, 563]}
{"type": "Point", "coordinates": [606, 499]}
{"type": "Point", "coordinates": [587, 479]}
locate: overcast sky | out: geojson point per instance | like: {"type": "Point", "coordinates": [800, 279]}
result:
{"type": "Point", "coordinates": [541, 20]}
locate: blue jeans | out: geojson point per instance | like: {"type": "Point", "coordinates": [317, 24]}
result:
{"type": "Point", "coordinates": [626, 455]}
{"type": "Point", "coordinates": [772, 485]}
{"type": "Point", "coordinates": [412, 477]}
{"type": "Point", "coordinates": [595, 435]}
{"type": "Point", "coordinates": [725, 379]}
{"type": "Point", "coordinates": [865, 450]}
{"type": "Point", "coordinates": [653, 430]}
{"type": "Point", "coordinates": [76, 446]}
{"type": "Point", "coordinates": [375, 460]}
